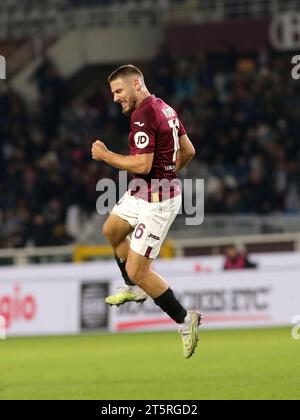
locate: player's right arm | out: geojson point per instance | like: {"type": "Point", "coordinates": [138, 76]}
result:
{"type": "Point", "coordinates": [186, 152]}
{"type": "Point", "coordinates": [137, 164]}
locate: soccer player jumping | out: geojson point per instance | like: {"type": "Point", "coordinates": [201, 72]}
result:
{"type": "Point", "coordinates": [159, 148]}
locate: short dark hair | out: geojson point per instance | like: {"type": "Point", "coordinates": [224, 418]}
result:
{"type": "Point", "coordinates": [124, 71]}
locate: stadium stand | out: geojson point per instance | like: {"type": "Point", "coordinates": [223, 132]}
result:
{"type": "Point", "coordinates": [32, 17]}
{"type": "Point", "coordinates": [243, 122]}
{"type": "Point", "coordinates": [240, 111]}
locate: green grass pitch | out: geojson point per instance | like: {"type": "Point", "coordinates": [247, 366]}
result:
{"type": "Point", "coordinates": [250, 364]}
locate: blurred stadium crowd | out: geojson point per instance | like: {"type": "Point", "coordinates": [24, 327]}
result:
{"type": "Point", "coordinates": [241, 114]}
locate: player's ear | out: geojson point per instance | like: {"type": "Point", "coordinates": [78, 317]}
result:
{"type": "Point", "coordinates": [138, 85]}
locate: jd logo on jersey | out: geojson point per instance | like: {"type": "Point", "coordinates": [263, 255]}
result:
{"type": "Point", "coordinates": [142, 140]}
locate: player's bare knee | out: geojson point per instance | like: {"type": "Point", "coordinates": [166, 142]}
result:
{"type": "Point", "coordinates": [106, 231]}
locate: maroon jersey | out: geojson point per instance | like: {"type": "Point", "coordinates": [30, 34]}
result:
{"type": "Point", "coordinates": [156, 128]}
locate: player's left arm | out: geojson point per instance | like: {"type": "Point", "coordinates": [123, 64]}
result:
{"type": "Point", "coordinates": [139, 164]}
{"type": "Point", "coordinates": [186, 152]}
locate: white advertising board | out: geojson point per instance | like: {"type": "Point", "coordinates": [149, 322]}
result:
{"type": "Point", "coordinates": [69, 299]}
{"type": "Point", "coordinates": [54, 299]}
{"type": "Point", "coordinates": [226, 300]}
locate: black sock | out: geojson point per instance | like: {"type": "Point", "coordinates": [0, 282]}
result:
{"type": "Point", "coordinates": [122, 266]}
{"type": "Point", "coordinates": [169, 304]}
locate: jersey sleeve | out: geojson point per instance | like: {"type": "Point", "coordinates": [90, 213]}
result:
{"type": "Point", "coordinates": [182, 130]}
{"type": "Point", "coordinates": [143, 128]}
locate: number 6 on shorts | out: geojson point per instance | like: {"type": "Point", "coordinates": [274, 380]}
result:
{"type": "Point", "coordinates": [139, 231]}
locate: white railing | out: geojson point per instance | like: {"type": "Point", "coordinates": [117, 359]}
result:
{"type": "Point", "coordinates": [24, 256]}
{"type": "Point", "coordinates": [223, 9]}
{"type": "Point", "coordinates": [58, 17]}
{"type": "Point", "coordinates": [236, 225]}
{"type": "Point", "coordinates": [240, 242]}
{"type": "Point", "coordinates": [180, 245]}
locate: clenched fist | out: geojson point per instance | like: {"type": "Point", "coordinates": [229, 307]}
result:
{"type": "Point", "coordinates": [99, 150]}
